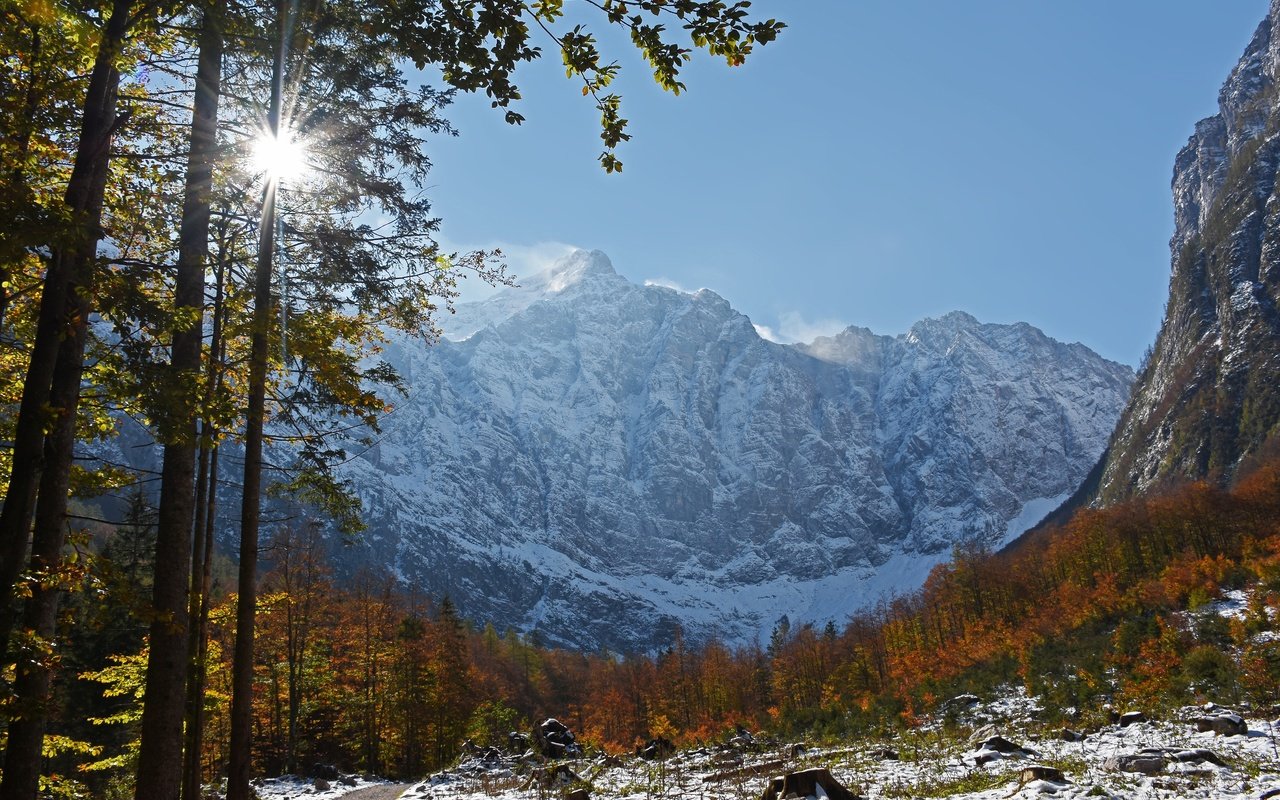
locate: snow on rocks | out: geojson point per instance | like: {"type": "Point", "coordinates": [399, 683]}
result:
{"type": "Point", "coordinates": [813, 782]}
{"type": "Point", "coordinates": [1145, 759]}
{"type": "Point", "coordinates": [1227, 724]}
{"type": "Point", "coordinates": [995, 748]}
{"type": "Point", "coordinates": [1155, 758]}
{"type": "Point", "coordinates": [294, 787]}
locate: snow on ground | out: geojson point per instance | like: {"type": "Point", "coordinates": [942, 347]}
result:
{"type": "Point", "coordinates": [929, 762]}
{"type": "Point", "coordinates": [1032, 512]}
{"type": "Point", "coordinates": [938, 760]}
{"type": "Point", "coordinates": [950, 755]}
{"type": "Point", "coordinates": [1233, 604]}
{"type": "Point", "coordinates": [292, 787]}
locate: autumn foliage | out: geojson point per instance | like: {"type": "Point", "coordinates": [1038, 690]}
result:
{"type": "Point", "coordinates": [371, 677]}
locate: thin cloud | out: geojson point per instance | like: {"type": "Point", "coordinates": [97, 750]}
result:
{"type": "Point", "coordinates": [793, 327]}
{"type": "Point", "coordinates": [523, 261]}
{"type": "Point", "coordinates": [766, 332]}
{"type": "Point", "coordinates": [667, 283]}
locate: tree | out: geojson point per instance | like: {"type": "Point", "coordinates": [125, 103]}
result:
{"type": "Point", "coordinates": [53, 381]}
{"type": "Point", "coordinates": [160, 756]}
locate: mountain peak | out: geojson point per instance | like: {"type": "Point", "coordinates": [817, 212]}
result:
{"type": "Point", "coordinates": [569, 270]}
{"type": "Point", "coordinates": [941, 331]}
{"type": "Point", "coordinates": [574, 267]}
{"type": "Point", "coordinates": [959, 319]}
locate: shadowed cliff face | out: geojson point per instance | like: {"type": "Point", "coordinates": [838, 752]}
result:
{"type": "Point", "coordinates": [601, 461]}
{"type": "Point", "coordinates": [1210, 392]}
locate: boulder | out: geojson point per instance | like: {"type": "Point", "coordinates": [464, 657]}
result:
{"type": "Point", "coordinates": [1069, 735]}
{"type": "Point", "coordinates": [578, 794]}
{"type": "Point", "coordinates": [327, 771]}
{"type": "Point", "coordinates": [1223, 725]}
{"type": "Point", "coordinates": [322, 785]}
{"type": "Point", "coordinates": [348, 780]}
{"type": "Point", "coordinates": [1145, 763]}
{"type": "Point", "coordinates": [1039, 772]}
{"type": "Point", "coordinates": [517, 742]}
{"type": "Point", "coordinates": [796, 750]}
{"type": "Point", "coordinates": [806, 784]}
{"type": "Point", "coordinates": [553, 739]}
{"type": "Point", "coordinates": [553, 725]}
{"type": "Point", "coordinates": [1197, 755]}
{"type": "Point", "coordinates": [884, 754]}
{"type": "Point", "coordinates": [1131, 718]}
{"type": "Point", "coordinates": [985, 732]}
{"type": "Point", "coordinates": [657, 749]}
{"type": "Point", "coordinates": [1003, 745]}
{"type": "Point", "coordinates": [959, 703]}
{"type": "Point", "coordinates": [995, 748]}
{"type": "Point", "coordinates": [743, 739]}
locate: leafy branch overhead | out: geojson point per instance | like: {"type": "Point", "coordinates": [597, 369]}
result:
{"type": "Point", "coordinates": [478, 45]}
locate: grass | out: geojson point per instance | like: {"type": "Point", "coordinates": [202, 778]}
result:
{"type": "Point", "coordinates": [975, 781]}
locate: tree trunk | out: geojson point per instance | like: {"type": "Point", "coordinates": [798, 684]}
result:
{"type": "Point", "coordinates": [241, 746]}
{"type": "Point", "coordinates": [202, 566]}
{"type": "Point", "coordinates": [77, 261]}
{"type": "Point", "coordinates": [85, 190]}
{"type": "Point", "coordinates": [35, 672]}
{"type": "Point", "coordinates": [160, 754]}
{"type": "Point", "coordinates": [250, 513]}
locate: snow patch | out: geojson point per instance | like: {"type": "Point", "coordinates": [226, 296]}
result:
{"type": "Point", "coordinates": [1032, 512]}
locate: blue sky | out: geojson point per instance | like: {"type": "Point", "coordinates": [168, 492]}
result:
{"type": "Point", "coordinates": [883, 161]}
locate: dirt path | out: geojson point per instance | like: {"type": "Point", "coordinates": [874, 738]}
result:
{"type": "Point", "coordinates": [388, 792]}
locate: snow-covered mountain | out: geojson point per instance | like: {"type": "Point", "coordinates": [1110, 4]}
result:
{"type": "Point", "coordinates": [601, 461]}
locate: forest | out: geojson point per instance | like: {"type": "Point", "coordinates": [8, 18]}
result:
{"type": "Point", "coordinates": [368, 676]}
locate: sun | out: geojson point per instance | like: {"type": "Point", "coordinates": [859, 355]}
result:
{"type": "Point", "coordinates": [283, 157]}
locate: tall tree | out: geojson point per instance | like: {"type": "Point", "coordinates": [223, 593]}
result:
{"type": "Point", "coordinates": [160, 757]}
{"type": "Point", "coordinates": [53, 380]}
{"type": "Point", "coordinates": [239, 764]}
{"type": "Point", "coordinates": [202, 543]}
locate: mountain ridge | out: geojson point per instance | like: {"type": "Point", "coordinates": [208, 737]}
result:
{"type": "Point", "coordinates": [604, 462]}
{"type": "Point", "coordinates": [1206, 398]}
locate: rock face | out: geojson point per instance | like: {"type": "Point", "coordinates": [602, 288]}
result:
{"type": "Point", "coordinates": [602, 462]}
{"type": "Point", "coordinates": [1209, 395]}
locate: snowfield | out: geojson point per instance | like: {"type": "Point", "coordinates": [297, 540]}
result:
{"type": "Point", "coordinates": [984, 752]}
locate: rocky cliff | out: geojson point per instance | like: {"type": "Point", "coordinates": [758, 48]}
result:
{"type": "Point", "coordinates": [1209, 394]}
{"type": "Point", "coordinates": [600, 461]}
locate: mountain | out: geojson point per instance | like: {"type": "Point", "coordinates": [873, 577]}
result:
{"type": "Point", "coordinates": [602, 462]}
{"type": "Point", "coordinates": [1209, 394]}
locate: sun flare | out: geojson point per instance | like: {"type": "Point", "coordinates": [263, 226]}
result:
{"type": "Point", "coordinates": [283, 157]}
